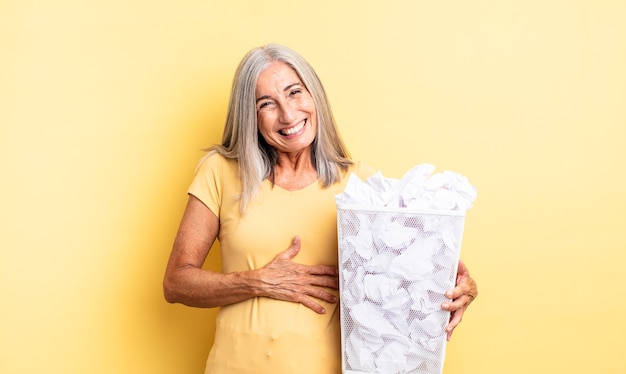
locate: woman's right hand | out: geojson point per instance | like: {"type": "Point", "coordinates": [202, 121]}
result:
{"type": "Point", "coordinates": [284, 279]}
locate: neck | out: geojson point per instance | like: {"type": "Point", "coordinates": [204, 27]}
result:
{"type": "Point", "coordinates": [294, 171]}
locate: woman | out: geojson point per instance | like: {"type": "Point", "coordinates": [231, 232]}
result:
{"type": "Point", "coordinates": [267, 193]}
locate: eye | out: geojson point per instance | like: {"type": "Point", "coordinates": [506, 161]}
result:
{"type": "Point", "coordinates": [264, 104]}
{"type": "Point", "coordinates": [295, 92]}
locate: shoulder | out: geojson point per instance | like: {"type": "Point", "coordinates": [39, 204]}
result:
{"type": "Point", "coordinates": [215, 163]}
{"type": "Point", "coordinates": [361, 170]}
{"type": "Point", "coordinates": [216, 179]}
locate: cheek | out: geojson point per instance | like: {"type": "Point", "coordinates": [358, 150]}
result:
{"type": "Point", "coordinates": [263, 123]}
{"type": "Point", "coordinates": [312, 109]}
{"type": "Point", "coordinates": [314, 118]}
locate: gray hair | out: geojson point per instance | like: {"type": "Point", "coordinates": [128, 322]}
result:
{"type": "Point", "coordinates": [241, 139]}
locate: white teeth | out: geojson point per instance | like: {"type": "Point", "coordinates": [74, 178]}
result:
{"type": "Point", "coordinates": [294, 129]}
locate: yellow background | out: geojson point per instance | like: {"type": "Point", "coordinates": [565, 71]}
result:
{"type": "Point", "coordinates": [104, 106]}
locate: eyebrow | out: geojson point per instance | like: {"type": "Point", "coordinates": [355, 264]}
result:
{"type": "Point", "coordinates": [284, 89]}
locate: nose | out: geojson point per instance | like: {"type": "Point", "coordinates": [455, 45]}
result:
{"type": "Point", "coordinates": [287, 112]}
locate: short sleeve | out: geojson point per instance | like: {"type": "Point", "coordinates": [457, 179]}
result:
{"type": "Point", "coordinates": [363, 170]}
{"type": "Point", "coordinates": [207, 185]}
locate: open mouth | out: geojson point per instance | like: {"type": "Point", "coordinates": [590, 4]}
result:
{"type": "Point", "coordinates": [293, 130]}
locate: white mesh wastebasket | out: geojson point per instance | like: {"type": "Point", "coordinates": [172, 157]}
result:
{"type": "Point", "coordinates": [395, 266]}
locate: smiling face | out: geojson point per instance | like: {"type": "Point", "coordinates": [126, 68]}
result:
{"type": "Point", "coordinates": [286, 113]}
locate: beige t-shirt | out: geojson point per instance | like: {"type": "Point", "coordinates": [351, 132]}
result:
{"type": "Point", "coordinates": [264, 335]}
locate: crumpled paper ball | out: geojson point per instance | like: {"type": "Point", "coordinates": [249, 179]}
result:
{"type": "Point", "coordinates": [418, 188]}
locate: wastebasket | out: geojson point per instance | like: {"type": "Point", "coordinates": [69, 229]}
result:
{"type": "Point", "coordinates": [395, 265]}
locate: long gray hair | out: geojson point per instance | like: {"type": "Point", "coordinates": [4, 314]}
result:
{"type": "Point", "coordinates": [241, 139]}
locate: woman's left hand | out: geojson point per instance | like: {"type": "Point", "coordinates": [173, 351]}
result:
{"type": "Point", "coordinates": [462, 296]}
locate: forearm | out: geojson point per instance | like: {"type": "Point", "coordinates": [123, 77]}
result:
{"type": "Point", "coordinates": [206, 289]}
